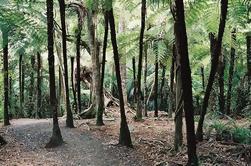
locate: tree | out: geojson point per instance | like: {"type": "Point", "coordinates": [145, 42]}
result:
{"type": "Point", "coordinates": [69, 117]}
{"type": "Point", "coordinates": [39, 82]}
{"type": "Point", "coordinates": [156, 86]}
{"type": "Point", "coordinates": [231, 72]}
{"type": "Point", "coordinates": [5, 34]}
{"type": "Point", "coordinates": [216, 51]}
{"type": "Point", "coordinates": [56, 138]}
{"type": "Point", "coordinates": [141, 48]}
{"type": "Point", "coordinates": [183, 60]}
{"type": "Point", "coordinates": [124, 136]}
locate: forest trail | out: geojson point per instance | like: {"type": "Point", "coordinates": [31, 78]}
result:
{"type": "Point", "coordinates": [27, 138]}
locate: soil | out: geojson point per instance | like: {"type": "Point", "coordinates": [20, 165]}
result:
{"type": "Point", "coordinates": [91, 145]}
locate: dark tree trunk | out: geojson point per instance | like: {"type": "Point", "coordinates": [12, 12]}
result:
{"type": "Point", "coordinates": [216, 51]}
{"type": "Point", "coordinates": [78, 36]}
{"type": "Point", "coordinates": [31, 89]}
{"type": "Point", "coordinates": [231, 72]}
{"type": "Point", "coordinates": [39, 81]}
{"type": "Point", "coordinates": [249, 70]}
{"type": "Point", "coordinates": [221, 68]}
{"type": "Point", "coordinates": [124, 136]}
{"type": "Point", "coordinates": [72, 85]}
{"type": "Point", "coordinates": [101, 103]}
{"type": "Point", "coordinates": [171, 93]}
{"type": "Point", "coordinates": [134, 79]}
{"type": "Point", "coordinates": [69, 117]}
{"type": "Point", "coordinates": [163, 79]}
{"type": "Point", "coordinates": [141, 47]}
{"type": "Point", "coordinates": [202, 77]}
{"type": "Point", "coordinates": [6, 76]}
{"type": "Point", "coordinates": [56, 138]}
{"type": "Point", "coordinates": [145, 83]}
{"type": "Point", "coordinates": [156, 87]}
{"type": "Point", "coordinates": [21, 90]}
{"type": "Point", "coordinates": [183, 60]}
{"type": "Point", "coordinates": [178, 119]}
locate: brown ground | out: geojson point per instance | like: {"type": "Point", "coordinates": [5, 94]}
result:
{"type": "Point", "coordinates": [96, 146]}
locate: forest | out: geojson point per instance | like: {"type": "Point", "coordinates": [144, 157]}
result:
{"type": "Point", "coordinates": [125, 83]}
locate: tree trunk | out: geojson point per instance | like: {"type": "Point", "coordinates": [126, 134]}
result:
{"type": "Point", "coordinates": [21, 86]}
{"type": "Point", "coordinates": [60, 82]}
{"type": "Point", "coordinates": [72, 85]}
{"type": "Point", "coordinates": [78, 37]}
{"type": "Point", "coordinates": [31, 86]}
{"type": "Point", "coordinates": [183, 60]}
{"type": "Point", "coordinates": [6, 76]}
{"type": "Point", "coordinates": [156, 87]}
{"type": "Point", "coordinates": [69, 117]}
{"type": "Point", "coordinates": [171, 93]}
{"type": "Point", "coordinates": [221, 68]}
{"type": "Point", "coordinates": [163, 79]}
{"type": "Point", "coordinates": [231, 72]}
{"type": "Point", "coordinates": [56, 138]}
{"type": "Point", "coordinates": [101, 103]}
{"type": "Point", "coordinates": [39, 81]}
{"type": "Point", "coordinates": [216, 51]}
{"type": "Point", "coordinates": [94, 45]}
{"type": "Point", "coordinates": [145, 83]}
{"type": "Point", "coordinates": [178, 137]}
{"type": "Point", "coordinates": [141, 47]}
{"type": "Point", "coordinates": [202, 77]}
{"type": "Point", "coordinates": [124, 136]}
{"type": "Point", "coordinates": [134, 79]}
{"type": "Point", "coordinates": [249, 69]}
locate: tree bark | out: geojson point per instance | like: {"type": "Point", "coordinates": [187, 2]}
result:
{"type": "Point", "coordinates": [183, 60]}
{"type": "Point", "coordinates": [101, 103]}
{"type": "Point", "coordinates": [124, 136]}
{"type": "Point", "coordinates": [39, 81]}
{"type": "Point", "coordinates": [231, 72]}
{"type": "Point", "coordinates": [171, 95]}
{"type": "Point", "coordinates": [156, 86]}
{"type": "Point", "coordinates": [94, 45]}
{"type": "Point", "coordinates": [69, 117]}
{"type": "Point", "coordinates": [202, 77]}
{"type": "Point", "coordinates": [145, 83]}
{"type": "Point", "coordinates": [221, 68]}
{"type": "Point", "coordinates": [56, 138]}
{"type": "Point", "coordinates": [6, 76]}
{"type": "Point", "coordinates": [134, 79]}
{"type": "Point", "coordinates": [72, 85]}
{"type": "Point", "coordinates": [216, 50]}
{"type": "Point", "coordinates": [178, 137]}
{"type": "Point", "coordinates": [141, 47]}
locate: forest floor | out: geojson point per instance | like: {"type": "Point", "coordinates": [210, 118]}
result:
{"type": "Point", "coordinates": [89, 145]}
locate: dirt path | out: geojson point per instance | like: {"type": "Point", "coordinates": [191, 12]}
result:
{"type": "Point", "coordinates": [27, 138]}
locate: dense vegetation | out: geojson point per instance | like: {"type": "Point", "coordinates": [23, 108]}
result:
{"type": "Point", "coordinates": [188, 58]}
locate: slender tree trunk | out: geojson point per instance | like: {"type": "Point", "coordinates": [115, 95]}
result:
{"type": "Point", "coordinates": [156, 87]}
{"type": "Point", "coordinates": [78, 36]}
{"type": "Point", "coordinates": [6, 76]}
{"type": "Point", "coordinates": [124, 136]}
{"type": "Point", "coordinates": [221, 68]}
{"type": "Point", "coordinates": [69, 117]}
{"type": "Point", "coordinates": [60, 82]}
{"type": "Point", "coordinates": [214, 64]}
{"type": "Point", "coordinates": [231, 72]}
{"type": "Point", "coordinates": [163, 79]}
{"type": "Point", "coordinates": [249, 69]}
{"type": "Point", "coordinates": [56, 138]}
{"type": "Point", "coordinates": [134, 79]}
{"type": "Point", "coordinates": [141, 48]}
{"type": "Point", "coordinates": [21, 86]}
{"type": "Point", "coordinates": [31, 89]}
{"type": "Point", "coordinates": [101, 104]}
{"type": "Point", "coordinates": [94, 45]}
{"type": "Point", "coordinates": [72, 85]}
{"type": "Point", "coordinates": [145, 83]}
{"type": "Point", "coordinates": [39, 81]}
{"type": "Point", "coordinates": [178, 137]}
{"type": "Point", "coordinates": [171, 93]}
{"type": "Point", "coordinates": [183, 60]}
{"type": "Point", "coordinates": [202, 77]}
